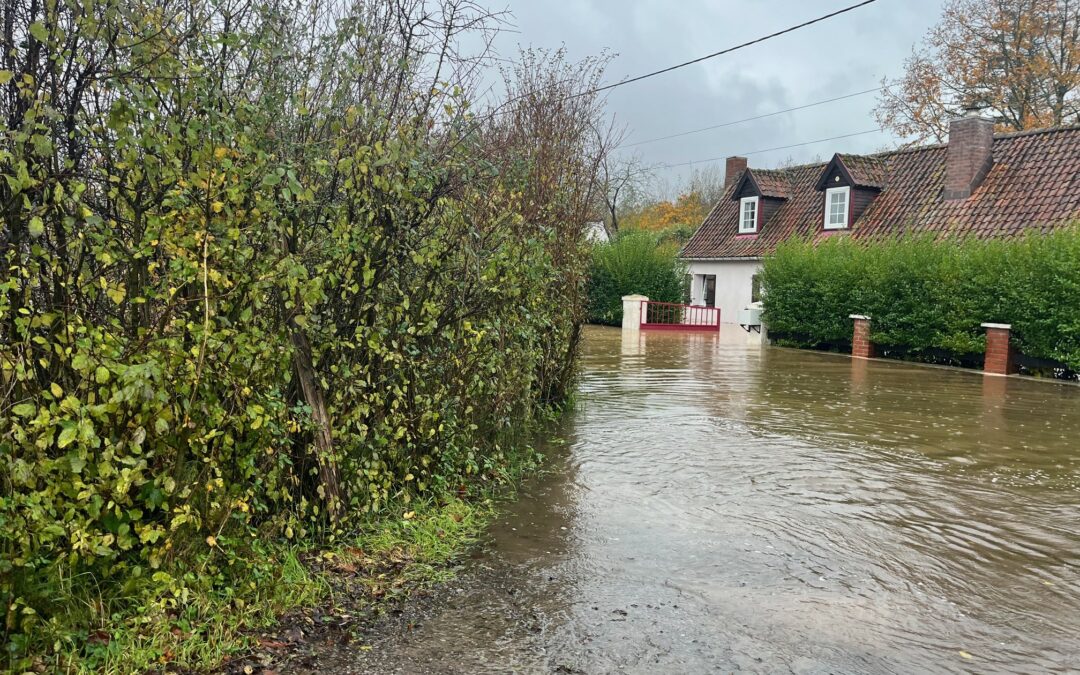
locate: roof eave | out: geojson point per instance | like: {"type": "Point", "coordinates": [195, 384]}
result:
{"type": "Point", "coordinates": [731, 258]}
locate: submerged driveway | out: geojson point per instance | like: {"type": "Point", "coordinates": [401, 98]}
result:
{"type": "Point", "coordinates": [715, 507]}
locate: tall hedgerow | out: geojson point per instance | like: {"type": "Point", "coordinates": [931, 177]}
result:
{"type": "Point", "coordinates": [264, 272]}
{"type": "Point", "coordinates": [632, 263]}
{"type": "Point", "coordinates": [929, 294]}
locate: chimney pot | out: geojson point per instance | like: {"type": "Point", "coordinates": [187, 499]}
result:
{"type": "Point", "coordinates": [733, 168]}
{"type": "Point", "coordinates": [970, 154]}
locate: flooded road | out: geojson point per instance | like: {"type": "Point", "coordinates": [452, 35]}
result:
{"type": "Point", "coordinates": [720, 508]}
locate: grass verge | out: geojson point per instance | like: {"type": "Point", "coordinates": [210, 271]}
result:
{"type": "Point", "coordinates": [246, 619]}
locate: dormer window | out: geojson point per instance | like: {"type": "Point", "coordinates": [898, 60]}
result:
{"type": "Point", "coordinates": [837, 201]}
{"type": "Point", "coordinates": [748, 215]}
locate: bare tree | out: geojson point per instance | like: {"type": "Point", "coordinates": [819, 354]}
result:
{"type": "Point", "coordinates": [621, 179]}
{"type": "Point", "coordinates": [1018, 59]}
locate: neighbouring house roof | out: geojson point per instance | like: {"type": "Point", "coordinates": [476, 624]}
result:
{"type": "Point", "coordinates": [1033, 184]}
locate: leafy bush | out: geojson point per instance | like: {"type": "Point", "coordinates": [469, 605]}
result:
{"type": "Point", "coordinates": [262, 277]}
{"type": "Point", "coordinates": [929, 295]}
{"type": "Point", "coordinates": [632, 262]}
{"type": "Point", "coordinates": [676, 235]}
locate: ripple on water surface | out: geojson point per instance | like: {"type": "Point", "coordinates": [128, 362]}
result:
{"type": "Point", "coordinates": [724, 507]}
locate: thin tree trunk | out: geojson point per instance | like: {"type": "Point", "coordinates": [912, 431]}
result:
{"type": "Point", "coordinates": [329, 485]}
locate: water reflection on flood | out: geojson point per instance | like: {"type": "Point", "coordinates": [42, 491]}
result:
{"type": "Point", "coordinates": [721, 507]}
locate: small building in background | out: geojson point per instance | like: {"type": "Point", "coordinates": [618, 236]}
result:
{"type": "Point", "coordinates": [978, 184]}
{"type": "Point", "coordinates": [596, 232]}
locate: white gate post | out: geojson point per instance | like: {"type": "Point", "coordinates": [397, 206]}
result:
{"type": "Point", "coordinates": [631, 311]}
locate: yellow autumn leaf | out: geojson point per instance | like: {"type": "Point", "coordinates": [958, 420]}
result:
{"type": "Point", "coordinates": [217, 206]}
{"type": "Point", "coordinates": [219, 153]}
{"type": "Point", "coordinates": [964, 654]}
{"type": "Point", "coordinates": [56, 390]}
{"type": "Point", "coordinates": [5, 76]}
{"type": "Point", "coordinates": [409, 515]}
{"type": "Point", "coordinates": [211, 541]}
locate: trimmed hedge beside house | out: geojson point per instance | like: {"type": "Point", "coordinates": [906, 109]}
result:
{"type": "Point", "coordinates": [927, 295]}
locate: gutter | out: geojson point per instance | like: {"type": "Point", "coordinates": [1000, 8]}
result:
{"type": "Point", "coordinates": [754, 258]}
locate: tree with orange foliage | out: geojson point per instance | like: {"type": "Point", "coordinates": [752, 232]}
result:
{"type": "Point", "coordinates": [687, 209]}
{"type": "Point", "coordinates": [1018, 60]}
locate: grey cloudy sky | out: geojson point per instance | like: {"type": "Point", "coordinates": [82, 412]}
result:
{"type": "Point", "coordinates": [843, 55]}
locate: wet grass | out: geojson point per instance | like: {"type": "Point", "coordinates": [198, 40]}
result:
{"type": "Point", "coordinates": [238, 620]}
{"type": "Point", "coordinates": [385, 561]}
{"type": "Point", "coordinates": [110, 635]}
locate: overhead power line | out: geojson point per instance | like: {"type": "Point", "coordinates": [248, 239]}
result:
{"type": "Point", "coordinates": [654, 73]}
{"type": "Point", "coordinates": [779, 147]}
{"type": "Point", "coordinates": [750, 119]}
{"type": "Point", "coordinates": [729, 49]}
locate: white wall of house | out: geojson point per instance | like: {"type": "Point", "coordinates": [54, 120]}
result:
{"type": "Point", "coordinates": [734, 284]}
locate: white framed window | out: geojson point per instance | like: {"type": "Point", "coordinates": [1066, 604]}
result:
{"type": "Point", "coordinates": [748, 214]}
{"type": "Point", "coordinates": [837, 203]}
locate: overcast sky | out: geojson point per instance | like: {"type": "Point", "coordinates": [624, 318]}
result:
{"type": "Point", "coordinates": [840, 56]}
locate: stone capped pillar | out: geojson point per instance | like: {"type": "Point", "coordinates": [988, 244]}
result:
{"type": "Point", "coordinates": [861, 346]}
{"type": "Point", "coordinates": [998, 350]}
{"type": "Point", "coordinates": [631, 311]}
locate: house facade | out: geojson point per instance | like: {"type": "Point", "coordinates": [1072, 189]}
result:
{"type": "Point", "coordinates": [976, 184]}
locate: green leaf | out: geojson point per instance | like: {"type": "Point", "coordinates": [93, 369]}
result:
{"type": "Point", "coordinates": [25, 409]}
{"type": "Point", "coordinates": [101, 374]}
{"type": "Point", "coordinates": [37, 29]}
{"type": "Point", "coordinates": [5, 76]}
{"type": "Point", "coordinates": [68, 435]}
{"type": "Point", "coordinates": [37, 228]}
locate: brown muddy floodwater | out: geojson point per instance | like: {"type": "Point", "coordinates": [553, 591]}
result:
{"type": "Point", "coordinates": [718, 508]}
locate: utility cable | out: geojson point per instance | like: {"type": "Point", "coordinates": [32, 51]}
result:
{"type": "Point", "coordinates": [779, 147]}
{"type": "Point", "coordinates": [750, 119]}
{"type": "Point", "coordinates": [729, 49]}
{"type": "Point", "coordinates": [668, 69]}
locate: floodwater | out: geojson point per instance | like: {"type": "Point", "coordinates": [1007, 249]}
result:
{"type": "Point", "coordinates": [718, 507]}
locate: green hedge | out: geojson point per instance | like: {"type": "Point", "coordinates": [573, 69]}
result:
{"type": "Point", "coordinates": [244, 301]}
{"type": "Point", "coordinates": [928, 295]}
{"type": "Point", "coordinates": [633, 262]}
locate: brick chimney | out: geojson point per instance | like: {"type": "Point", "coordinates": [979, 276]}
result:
{"type": "Point", "coordinates": [970, 155]}
{"type": "Point", "coordinates": [733, 169]}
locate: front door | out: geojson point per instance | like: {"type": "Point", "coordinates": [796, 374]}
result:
{"type": "Point", "coordinates": [710, 290]}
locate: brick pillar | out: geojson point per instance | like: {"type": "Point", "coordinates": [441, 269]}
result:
{"type": "Point", "coordinates": [998, 350]}
{"type": "Point", "coordinates": [861, 346]}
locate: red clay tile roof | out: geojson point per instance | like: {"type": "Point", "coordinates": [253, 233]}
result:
{"type": "Point", "coordinates": [1034, 185]}
{"type": "Point", "coordinates": [771, 182]}
{"type": "Point", "coordinates": [865, 171]}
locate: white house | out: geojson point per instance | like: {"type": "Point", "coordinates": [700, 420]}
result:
{"type": "Point", "coordinates": [977, 184]}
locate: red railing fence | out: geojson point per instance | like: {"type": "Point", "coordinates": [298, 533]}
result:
{"type": "Point", "coordinates": [673, 316]}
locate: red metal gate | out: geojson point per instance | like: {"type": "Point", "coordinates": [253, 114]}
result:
{"type": "Point", "coordinates": [673, 316]}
